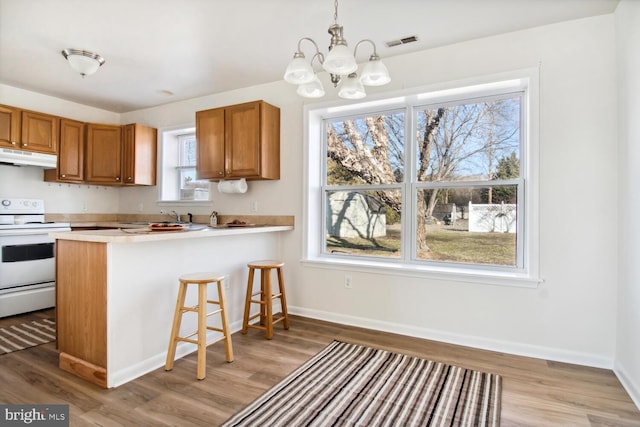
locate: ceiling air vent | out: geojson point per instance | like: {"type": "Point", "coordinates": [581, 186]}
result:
{"type": "Point", "coordinates": [403, 40]}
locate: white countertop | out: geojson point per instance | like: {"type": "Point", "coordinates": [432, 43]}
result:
{"type": "Point", "coordinates": [133, 235]}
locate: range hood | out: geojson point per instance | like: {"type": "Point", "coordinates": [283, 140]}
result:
{"type": "Point", "coordinates": [27, 158]}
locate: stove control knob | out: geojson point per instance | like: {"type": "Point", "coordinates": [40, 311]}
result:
{"type": "Point", "coordinates": [6, 202]}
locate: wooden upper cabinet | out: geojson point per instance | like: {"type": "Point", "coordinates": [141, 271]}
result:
{"type": "Point", "coordinates": [39, 132]}
{"type": "Point", "coordinates": [210, 144]}
{"type": "Point", "coordinates": [239, 141]}
{"type": "Point", "coordinates": [139, 154]}
{"type": "Point", "coordinates": [71, 151]}
{"type": "Point", "coordinates": [103, 160]}
{"type": "Point", "coordinates": [9, 126]}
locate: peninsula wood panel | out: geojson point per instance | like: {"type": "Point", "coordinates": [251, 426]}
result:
{"type": "Point", "coordinates": [81, 275]}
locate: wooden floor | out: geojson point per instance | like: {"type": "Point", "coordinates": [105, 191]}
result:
{"type": "Point", "coordinates": [535, 392]}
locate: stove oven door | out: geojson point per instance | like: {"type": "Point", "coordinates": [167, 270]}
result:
{"type": "Point", "coordinates": [26, 260]}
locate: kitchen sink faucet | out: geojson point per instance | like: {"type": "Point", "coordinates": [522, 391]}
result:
{"type": "Point", "coordinates": [173, 214]}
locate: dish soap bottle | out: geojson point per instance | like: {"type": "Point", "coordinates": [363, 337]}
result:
{"type": "Point", "coordinates": [213, 218]}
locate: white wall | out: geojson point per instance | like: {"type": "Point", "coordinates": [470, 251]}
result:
{"type": "Point", "coordinates": [627, 364]}
{"type": "Point", "coordinates": [572, 315]}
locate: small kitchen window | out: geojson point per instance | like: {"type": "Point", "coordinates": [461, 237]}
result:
{"type": "Point", "coordinates": [178, 180]}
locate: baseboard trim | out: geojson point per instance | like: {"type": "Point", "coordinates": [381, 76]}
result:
{"type": "Point", "coordinates": [538, 352]}
{"type": "Point", "coordinates": [629, 385]}
{"type": "Point", "coordinates": [157, 361]}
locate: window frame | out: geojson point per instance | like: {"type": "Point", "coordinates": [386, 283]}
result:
{"type": "Point", "coordinates": [170, 138]}
{"type": "Point", "coordinates": [525, 274]}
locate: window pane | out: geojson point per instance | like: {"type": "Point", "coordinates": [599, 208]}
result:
{"type": "Point", "coordinates": [192, 189]}
{"type": "Point", "coordinates": [468, 225]}
{"type": "Point", "coordinates": [468, 142]}
{"type": "Point", "coordinates": [188, 150]}
{"type": "Point", "coordinates": [366, 150]}
{"type": "Point", "coordinates": [364, 223]}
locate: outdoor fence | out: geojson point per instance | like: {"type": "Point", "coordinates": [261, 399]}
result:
{"type": "Point", "coordinates": [498, 218]}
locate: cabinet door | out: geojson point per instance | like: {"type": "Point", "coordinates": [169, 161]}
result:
{"type": "Point", "coordinates": [103, 159]}
{"type": "Point", "coordinates": [139, 154]}
{"type": "Point", "coordinates": [210, 144]}
{"type": "Point", "coordinates": [71, 152]}
{"type": "Point", "coordinates": [242, 137]}
{"type": "Point", "coordinates": [9, 126]}
{"type": "Point", "coordinates": [39, 132]}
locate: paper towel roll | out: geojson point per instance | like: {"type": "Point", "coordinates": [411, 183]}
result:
{"type": "Point", "coordinates": [233, 186]}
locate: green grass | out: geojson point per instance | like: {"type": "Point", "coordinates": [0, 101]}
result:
{"type": "Point", "coordinates": [478, 248]}
{"type": "Point", "coordinates": [445, 244]}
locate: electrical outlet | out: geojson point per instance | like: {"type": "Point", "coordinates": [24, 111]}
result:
{"type": "Point", "coordinates": [347, 281]}
{"type": "Point", "coordinates": [254, 206]}
{"type": "Point", "coordinates": [84, 206]}
{"type": "Point", "coordinates": [226, 282]}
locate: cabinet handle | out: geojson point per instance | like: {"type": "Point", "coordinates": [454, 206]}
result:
{"type": "Point", "coordinates": [25, 144]}
{"type": "Point", "coordinates": [129, 179]}
{"type": "Point", "coordinates": [13, 143]}
{"type": "Point", "coordinates": [63, 176]}
{"type": "Point", "coordinates": [220, 173]}
{"type": "Point", "coordinates": [228, 171]}
{"type": "Point", "coordinates": [117, 178]}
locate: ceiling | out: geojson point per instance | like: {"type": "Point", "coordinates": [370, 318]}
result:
{"type": "Point", "coordinates": [161, 51]}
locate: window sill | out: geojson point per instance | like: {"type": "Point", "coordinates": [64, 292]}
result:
{"type": "Point", "coordinates": [184, 202]}
{"type": "Point", "coordinates": [474, 276]}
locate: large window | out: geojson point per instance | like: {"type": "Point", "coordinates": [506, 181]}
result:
{"type": "Point", "coordinates": [432, 181]}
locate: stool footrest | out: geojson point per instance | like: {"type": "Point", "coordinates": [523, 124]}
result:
{"type": "Point", "coordinates": [186, 339]}
{"type": "Point", "coordinates": [262, 328]}
{"type": "Point", "coordinates": [255, 316]}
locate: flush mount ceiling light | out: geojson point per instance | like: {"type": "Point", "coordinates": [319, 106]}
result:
{"type": "Point", "coordinates": [340, 63]}
{"type": "Point", "coordinates": [84, 62]}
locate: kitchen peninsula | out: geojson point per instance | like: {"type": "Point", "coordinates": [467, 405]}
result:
{"type": "Point", "coordinates": [116, 291]}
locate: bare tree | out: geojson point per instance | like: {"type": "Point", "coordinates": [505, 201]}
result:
{"type": "Point", "coordinates": [454, 143]}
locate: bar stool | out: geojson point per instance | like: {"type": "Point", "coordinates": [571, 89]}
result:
{"type": "Point", "coordinates": [266, 298]}
{"type": "Point", "coordinates": [202, 280]}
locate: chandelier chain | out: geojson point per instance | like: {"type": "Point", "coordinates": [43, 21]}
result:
{"type": "Point", "coordinates": [335, 11]}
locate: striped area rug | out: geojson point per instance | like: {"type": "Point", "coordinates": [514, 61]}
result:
{"type": "Point", "coordinates": [351, 385]}
{"type": "Point", "coordinates": [25, 335]}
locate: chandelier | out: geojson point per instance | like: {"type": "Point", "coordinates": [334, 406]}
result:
{"type": "Point", "coordinates": [339, 63]}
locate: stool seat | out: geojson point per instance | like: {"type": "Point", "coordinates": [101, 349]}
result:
{"type": "Point", "coordinates": [201, 277]}
{"type": "Point", "coordinates": [201, 280]}
{"type": "Point", "coordinates": [266, 264]}
{"type": "Point", "coordinates": [266, 297]}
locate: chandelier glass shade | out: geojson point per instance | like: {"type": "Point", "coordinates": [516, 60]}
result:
{"type": "Point", "coordinates": [82, 61]}
{"type": "Point", "coordinates": [312, 89]}
{"type": "Point", "coordinates": [340, 63]}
